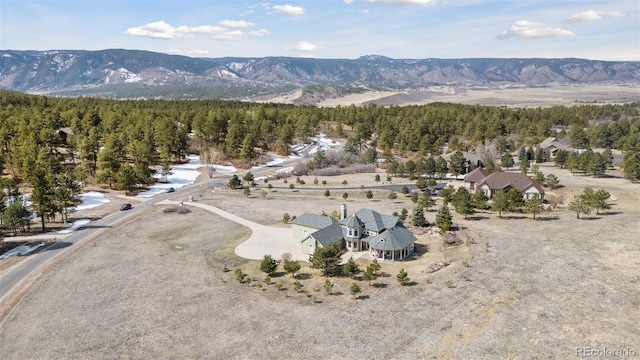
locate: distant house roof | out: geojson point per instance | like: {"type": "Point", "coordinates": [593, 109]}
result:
{"type": "Point", "coordinates": [329, 234]}
{"type": "Point", "coordinates": [66, 130]}
{"type": "Point", "coordinates": [476, 175]}
{"type": "Point", "coordinates": [395, 238]}
{"type": "Point", "coordinates": [469, 156]}
{"type": "Point", "coordinates": [502, 180]}
{"type": "Point", "coordinates": [314, 221]}
{"type": "Point", "coordinates": [552, 142]}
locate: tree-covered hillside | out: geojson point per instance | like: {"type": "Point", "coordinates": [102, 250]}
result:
{"type": "Point", "coordinates": [53, 143]}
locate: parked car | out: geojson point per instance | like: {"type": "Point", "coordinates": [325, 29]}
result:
{"type": "Point", "coordinates": [125, 207]}
{"type": "Point", "coordinates": [171, 189]}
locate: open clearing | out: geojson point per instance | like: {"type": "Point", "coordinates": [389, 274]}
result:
{"type": "Point", "coordinates": [507, 95]}
{"type": "Point", "coordinates": [155, 288]}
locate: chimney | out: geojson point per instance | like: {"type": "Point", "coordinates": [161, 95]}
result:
{"type": "Point", "coordinates": [343, 211]}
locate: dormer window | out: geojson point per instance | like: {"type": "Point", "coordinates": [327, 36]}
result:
{"type": "Point", "coordinates": [352, 232]}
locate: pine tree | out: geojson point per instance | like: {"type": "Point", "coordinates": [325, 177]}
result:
{"type": "Point", "coordinates": [500, 202]}
{"type": "Point", "coordinates": [463, 202]}
{"type": "Point", "coordinates": [327, 259]}
{"type": "Point", "coordinates": [506, 161]}
{"type": "Point", "coordinates": [480, 200]}
{"type": "Point", "coordinates": [268, 265]}
{"type": "Point", "coordinates": [580, 205]}
{"type": "Point", "coordinates": [417, 218]}
{"type": "Point", "coordinates": [443, 219]}
{"type": "Point", "coordinates": [354, 290]}
{"type": "Point", "coordinates": [351, 268]}
{"type": "Point", "coordinates": [291, 267]}
{"type": "Point", "coordinates": [403, 277]}
{"type": "Point", "coordinates": [534, 206]}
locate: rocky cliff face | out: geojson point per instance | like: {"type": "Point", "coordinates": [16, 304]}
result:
{"type": "Point", "coordinates": [114, 73]}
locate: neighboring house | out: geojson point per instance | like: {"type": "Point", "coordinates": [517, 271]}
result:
{"type": "Point", "coordinates": [384, 236]}
{"type": "Point", "coordinates": [64, 133]}
{"type": "Point", "coordinates": [506, 181]}
{"type": "Point", "coordinates": [553, 145]}
{"type": "Point", "coordinates": [471, 159]}
{"type": "Point", "coordinates": [474, 177]}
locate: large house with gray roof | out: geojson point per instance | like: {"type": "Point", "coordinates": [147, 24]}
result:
{"type": "Point", "coordinates": [384, 236]}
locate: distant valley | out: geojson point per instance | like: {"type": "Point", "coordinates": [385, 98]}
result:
{"type": "Point", "coordinates": [132, 74]}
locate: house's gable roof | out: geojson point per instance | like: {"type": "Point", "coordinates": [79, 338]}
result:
{"type": "Point", "coordinates": [476, 175]}
{"type": "Point", "coordinates": [352, 221]}
{"type": "Point", "coordinates": [314, 221]}
{"type": "Point", "coordinates": [375, 221]}
{"type": "Point", "coordinates": [329, 234]}
{"type": "Point", "coordinates": [395, 238]}
{"type": "Point", "coordinates": [550, 142]}
{"type": "Point", "coordinates": [502, 180]}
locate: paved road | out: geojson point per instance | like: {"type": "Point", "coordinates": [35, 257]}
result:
{"type": "Point", "coordinates": [13, 279]}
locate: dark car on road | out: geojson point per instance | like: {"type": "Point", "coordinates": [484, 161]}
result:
{"type": "Point", "coordinates": [171, 189]}
{"type": "Point", "coordinates": [125, 207]}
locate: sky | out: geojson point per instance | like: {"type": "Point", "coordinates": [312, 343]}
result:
{"type": "Point", "coordinates": [344, 29]}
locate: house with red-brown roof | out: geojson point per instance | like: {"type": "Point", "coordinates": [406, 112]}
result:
{"type": "Point", "coordinates": [494, 182]}
{"type": "Point", "coordinates": [474, 177]}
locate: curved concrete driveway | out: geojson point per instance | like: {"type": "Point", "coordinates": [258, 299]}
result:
{"type": "Point", "coordinates": [264, 240]}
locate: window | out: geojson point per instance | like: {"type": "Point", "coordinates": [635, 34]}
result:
{"type": "Point", "coordinates": [349, 244]}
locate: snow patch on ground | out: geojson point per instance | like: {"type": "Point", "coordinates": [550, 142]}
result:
{"type": "Point", "coordinates": [181, 175]}
{"type": "Point", "coordinates": [91, 200]}
{"type": "Point", "coordinates": [223, 168]}
{"type": "Point", "coordinates": [75, 226]}
{"type": "Point", "coordinates": [22, 250]}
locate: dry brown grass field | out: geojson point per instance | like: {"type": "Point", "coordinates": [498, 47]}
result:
{"type": "Point", "coordinates": [155, 287]}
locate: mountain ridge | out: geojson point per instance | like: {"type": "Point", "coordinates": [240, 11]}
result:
{"type": "Point", "coordinates": [120, 73]}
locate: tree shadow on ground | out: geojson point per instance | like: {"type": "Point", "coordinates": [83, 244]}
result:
{"type": "Point", "coordinates": [477, 217]}
{"type": "Point", "coordinates": [610, 213]}
{"type": "Point", "coordinates": [590, 218]}
{"type": "Point", "coordinates": [277, 274]}
{"type": "Point", "coordinates": [380, 285]}
{"type": "Point", "coordinates": [418, 250]}
{"type": "Point", "coordinates": [303, 276]}
{"type": "Point", "coordinates": [411, 283]}
{"type": "Point", "coordinates": [547, 218]}
{"type": "Point", "coordinates": [514, 217]}
{"type": "Point", "coordinates": [336, 293]}
{"type": "Point", "coordinates": [363, 297]}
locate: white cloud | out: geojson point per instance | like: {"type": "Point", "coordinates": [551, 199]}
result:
{"type": "Point", "coordinates": [229, 35]}
{"type": "Point", "coordinates": [236, 23]}
{"type": "Point", "coordinates": [532, 30]}
{"type": "Point", "coordinates": [261, 32]}
{"type": "Point", "coordinates": [407, 2]}
{"type": "Point", "coordinates": [158, 30]}
{"type": "Point", "coordinates": [162, 30]}
{"type": "Point", "coordinates": [188, 52]}
{"type": "Point", "coordinates": [289, 9]}
{"type": "Point", "coordinates": [206, 29]}
{"type": "Point", "coordinates": [306, 46]}
{"type": "Point", "coordinates": [347, 1]}
{"type": "Point", "coordinates": [592, 15]}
